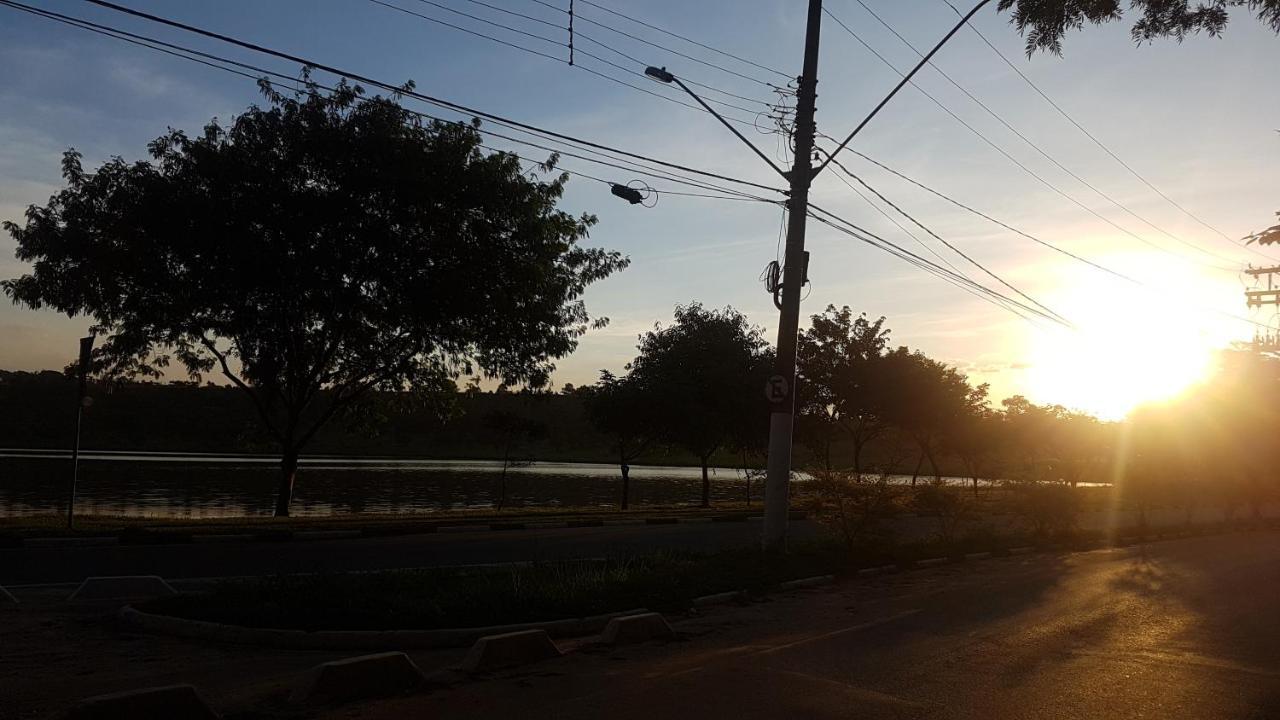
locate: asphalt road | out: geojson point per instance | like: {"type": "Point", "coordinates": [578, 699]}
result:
{"type": "Point", "coordinates": [21, 566]}
{"type": "Point", "coordinates": [1182, 629]}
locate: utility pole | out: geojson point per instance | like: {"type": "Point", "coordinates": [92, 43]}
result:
{"type": "Point", "coordinates": [782, 385]}
{"type": "Point", "coordinates": [1268, 341]}
{"type": "Point", "coordinates": [86, 357]}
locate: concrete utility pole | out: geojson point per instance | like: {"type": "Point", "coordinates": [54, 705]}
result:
{"type": "Point", "coordinates": [782, 385]}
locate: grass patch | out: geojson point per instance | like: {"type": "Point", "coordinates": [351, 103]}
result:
{"type": "Point", "coordinates": [444, 598]}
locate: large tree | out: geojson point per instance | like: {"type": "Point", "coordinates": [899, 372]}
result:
{"type": "Point", "coordinates": [705, 375]}
{"type": "Point", "coordinates": [312, 251]}
{"type": "Point", "coordinates": [1046, 22]}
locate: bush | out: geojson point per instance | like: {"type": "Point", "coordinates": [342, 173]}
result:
{"type": "Point", "coordinates": [1047, 509]}
{"type": "Point", "coordinates": [951, 506]}
{"type": "Point", "coordinates": [853, 511]}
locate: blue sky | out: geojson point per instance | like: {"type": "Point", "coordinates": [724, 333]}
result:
{"type": "Point", "coordinates": [1197, 119]}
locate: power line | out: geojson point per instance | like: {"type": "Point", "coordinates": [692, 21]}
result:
{"type": "Point", "coordinates": [1000, 119]}
{"type": "Point", "coordinates": [675, 52]}
{"type": "Point", "coordinates": [204, 58]}
{"type": "Point", "coordinates": [1022, 166]}
{"type": "Point", "coordinates": [664, 31]}
{"type": "Point", "coordinates": [546, 55]}
{"type": "Point", "coordinates": [995, 297]}
{"type": "Point", "coordinates": [641, 63]}
{"type": "Point", "coordinates": [990, 273]}
{"type": "Point", "coordinates": [1045, 243]}
{"type": "Point", "coordinates": [1093, 138]}
{"type": "Point", "coordinates": [991, 219]}
{"type": "Point", "coordinates": [456, 107]}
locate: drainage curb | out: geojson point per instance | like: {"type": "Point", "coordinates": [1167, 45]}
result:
{"type": "Point", "coordinates": [354, 639]}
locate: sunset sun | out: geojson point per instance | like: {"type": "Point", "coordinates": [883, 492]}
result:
{"type": "Point", "coordinates": [1130, 347]}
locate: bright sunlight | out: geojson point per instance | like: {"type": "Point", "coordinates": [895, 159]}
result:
{"type": "Point", "coordinates": [1132, 345]}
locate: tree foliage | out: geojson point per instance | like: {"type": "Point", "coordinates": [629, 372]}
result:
{"type": "Point", "coordinates": [312, 251]}
{"type": "Point", "coordinates": [705, 375]}
{"type": "Point", "coordinates": [1045, 23]}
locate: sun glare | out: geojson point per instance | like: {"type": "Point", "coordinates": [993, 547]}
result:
{"type": "Point", "coordinates": [1130, 348]}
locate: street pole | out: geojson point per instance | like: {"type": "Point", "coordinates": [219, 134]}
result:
{"type": "Point", "coordinates": [782, 385]}
{"type": "Point", "coordinates": [86, 351]}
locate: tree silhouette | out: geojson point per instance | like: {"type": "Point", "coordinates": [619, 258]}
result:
{"type": "Point", "coordinates": [930, 400]}
{"type": "Point", "coordinates": [839, 360]}
{"type": "Point", "coordinates": [312, 251]}
{"type": "Point", "coordinates": [625, 410]}
{"type": "Point", "coordinates": [1046, 22]}
{"type": "Point", "coordinates": [509, 431]}
{"type": "Point", "coordinates": [705, 375]}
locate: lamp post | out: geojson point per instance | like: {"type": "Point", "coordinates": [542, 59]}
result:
{"type": "Point", "coordinates": [82, 401]}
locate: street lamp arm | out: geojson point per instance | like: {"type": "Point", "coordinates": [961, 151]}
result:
{"type": "Point", "coordinates": [662, 75]}
{"type": "Point", "coordinates": [905, 79]}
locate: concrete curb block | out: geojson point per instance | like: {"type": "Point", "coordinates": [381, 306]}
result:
{"type": "Point", "coordinates": [719, 598]}
{"type": "Point", "coordinates": [78, 542]}
{"type": "Point", "coordinates": [122, 587]}
{"type": "Point", "coordinates": [7, 597]}
{"type": "Point", "coordinates": [932, 562]}
{"type": "Point", "coordinates": [662, 521]}
{"type": "Point", "coordinates": [978, 555]}
{"type": "Point", "coordinates": [809, 582]}
{"type": "Point", "coordinates": [221, 538]}
{"type": "Point", "coordinates": [636, 629]}
{"type": "Point", "coordinates": [879, 570]}
{"type": "Point", "coordinates": [359, 678]}
{"type": "Point", "coordinates": [170, 701]}
{"type": "Point", "coordinates": [355, 639]}
{"type": "Point", "coordinates": [326, 534]}
{"type": "Point", "coordinates": [518, 648]}
{"type": "Point", "coordinates": [462, 528]}
{"type": "Point", "coordinates": [1021, 550]}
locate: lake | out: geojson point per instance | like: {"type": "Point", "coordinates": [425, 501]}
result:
{"type": "Point", "coordinates": [182, 485]}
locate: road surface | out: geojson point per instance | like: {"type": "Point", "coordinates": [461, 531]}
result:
{"type": "Point", "coordinates": [1183, 629]}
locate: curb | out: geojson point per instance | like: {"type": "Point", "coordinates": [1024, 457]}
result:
{"type": "Point", "coordinates": [145, 536]}
{"type": "Point", "coordinates": [809, 582]}
{"type": "Point", "coordinates": [723, 598]}
{"type": "Point", "coordinates": [355, 639]}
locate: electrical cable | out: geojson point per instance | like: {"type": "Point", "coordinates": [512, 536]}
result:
{"type": "Point", "coordinates": [1092, 137]}
{"type": "Point", "coordinates": [456, 107]}
{"type": "Point", "coordinates": [691, 41]}
{"type": "Point", "coordinates": [204, 59]}
{"type": "Point", "coordinates": [990, 273]}
{"type": "Point", "coordinates": [1043, 153]}
{"type": "Point", "coordinates": [1022, 166]}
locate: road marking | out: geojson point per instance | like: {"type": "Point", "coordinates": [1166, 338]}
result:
{"type": "Point", "coordinates": [835, 633]}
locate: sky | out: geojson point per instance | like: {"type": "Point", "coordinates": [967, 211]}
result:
{"type": "Point", "coordinates": [1198, 120]}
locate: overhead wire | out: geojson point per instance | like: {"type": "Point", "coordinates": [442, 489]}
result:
{"type": "Point", "coordinates": [1030, 83]}
{"type": "Point", "coordinates": [988, 271]}
{"type": "Point", "coordinates": [1018, 163]}
{"type": "Point", "coordinates": [678, 36]}
{"type": "Point", "coordinates": [1032, 144]}
{"type": "Point", "coordinates": [409, 92]}
{"type": "Point", "coordinates": [548, 56]}
{"type": "Point", "coordinates": [283, 80]}
{"type": "Point", "coordinates": [995, 297]}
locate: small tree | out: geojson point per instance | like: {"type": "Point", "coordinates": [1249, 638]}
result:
{"type": "Point", "coordinates": [623, 409]}
{"type": "Point", "coordinates": [706, 376]}
{"type": "Point", "coordinates": [313, 251]}
{"type": "Point", "coordinates": [841, 389]}
{"type": "Point", "coordinates": [510, 432]}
